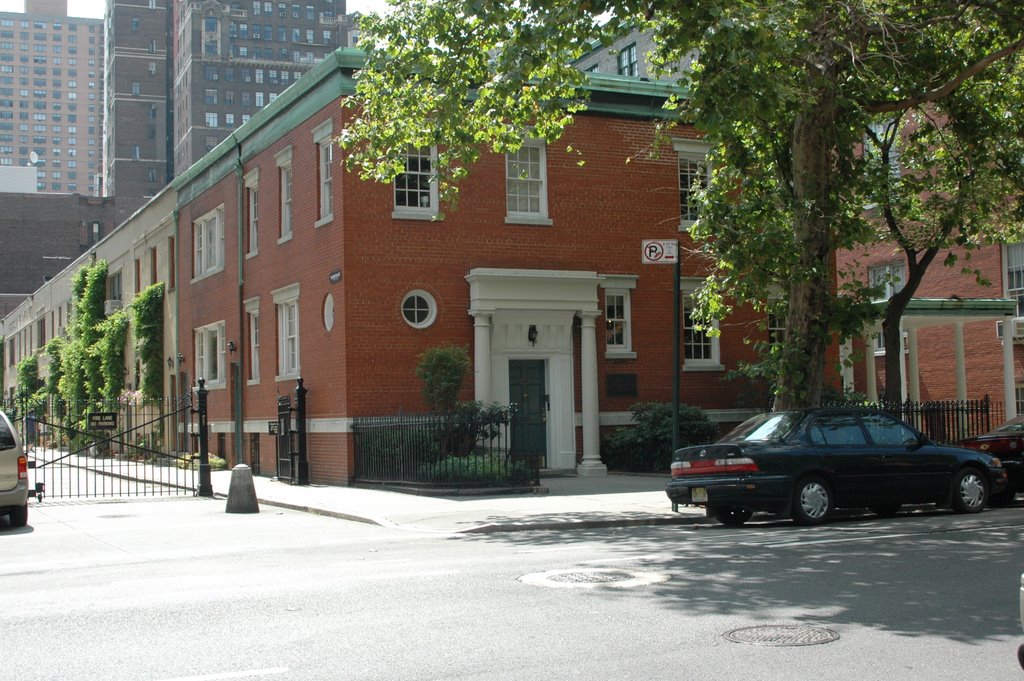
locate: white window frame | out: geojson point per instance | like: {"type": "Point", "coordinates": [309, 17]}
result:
{"type": "Point", "coordinates": [536, 176]}
{"type": "Point", "coordinates": [283, 159]}
{"type": "Point", "coordinates": [893, 275]}
{"type": "Point", "coordinates": [208, 244]}
{"type": "Point", "coordinates": [252, 314]}
{"type": "Point", "coordinates": [286, 304]}
{"type": "Point", "coordinates": [323, 137]}
{"type": "Point", "coordinates": [431, 310]}
{"type": "Point", "coordinates": [205, 337]}
{"type": "Point", "coordinates": [691, 153]}
{"type": "Point", "coordinates": [619, 285]}
{"type": "Point", "coordinates": [252, 191]}
{"type": "Point", "coordinates": [1013, 275]}
{"type": "Point", "coordinates": [712, 342]}
{"type": "Point", "coordinates": [400, 184]}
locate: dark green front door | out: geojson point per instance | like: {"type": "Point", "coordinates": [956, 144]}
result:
{"type": "Point", "coordinates": [528, 394]}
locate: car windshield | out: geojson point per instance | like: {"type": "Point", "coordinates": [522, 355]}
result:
{"type": "Point", "coordinates": [765, 427]}
{"type": "Point", "coordinates": [1012, 426]}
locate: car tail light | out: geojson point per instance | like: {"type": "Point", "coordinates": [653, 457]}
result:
{"type": "Point", "coordinates": [739, 464]}
{"type": "Point", "coordinates": [22, 468]}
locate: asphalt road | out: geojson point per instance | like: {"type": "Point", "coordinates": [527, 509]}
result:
{"type": "Point", "coordinates": [176, 589]}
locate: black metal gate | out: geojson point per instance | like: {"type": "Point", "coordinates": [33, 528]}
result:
{"type": "Point", "coordinates": [130, 447]}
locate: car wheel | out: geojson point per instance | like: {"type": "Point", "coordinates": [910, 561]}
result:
{"type": "Point", "coordinates": [1004, 498]}
{"type": "Point", "coordinates": [970, 491]}
{"type": "Point", "coordinates": [19, 516]}
{"type": "Point", "coordinates": [886, 510]}
{"type": "Point", "coordinates": [731, 516]}
{"type": "Point", "coordinates": [812, 501]}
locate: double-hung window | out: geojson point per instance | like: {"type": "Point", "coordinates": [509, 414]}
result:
{"type": "Point", "coordinates": [323, 138]}
{"type": "Point", "coordinates": [888, 279]}
{"type": "Point", "coordinates": [701, 350]}
{"type": "Point", "coordinates": [618, 323]}
{"type": "Point", "coordinates": [627, 61]}
{"type": "Point", "coordinates": [284, 171]}
{"type": "Point", "coordinates": [526, 195]}
{"type": "Point", "coordinates": [209, 354]}
{"type": "Point", "coordinates": [252, 200]}
{"type": "Point", "coordinates": [1015, 275]}
{"type": "Point", "coordinates": [693, 178]}
{"type": "Point", "coordinates": [208, 244]}
{"type": "Point", "coordinates": [252, 314]}
{"type": "Point", "coordinates": [416, 187]}
{"type": "Point", "coordinates": [286, 302]}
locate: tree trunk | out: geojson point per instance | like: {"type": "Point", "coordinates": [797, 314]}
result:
{"type": "Point", "coordinates": [802, 372]}
{"type": "Point", "coordinates": [891, 332]}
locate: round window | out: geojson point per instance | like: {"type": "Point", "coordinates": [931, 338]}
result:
{"type": "Point", "coordinates": [419, 309]}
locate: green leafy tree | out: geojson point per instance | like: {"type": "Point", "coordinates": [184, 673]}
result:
{"type": "Point", "coordinates": [82, 363]}
{"type": "Point", "coordinates": [55, 370]}
{"type": "Point", "coordinates": [785, 93]}
{"type": "Point", "coordinates": [29, 393]}
{"type": "Point", "coordinates": [110, 350]}
{"type": "Point", "coordinates": [442, 370]}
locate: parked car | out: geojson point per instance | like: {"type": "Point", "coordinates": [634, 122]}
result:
{"type": "Point", "coordinates": [1020, 649]}
{"type": "Point", "coordinates": [1006, 442]}
{"type": "Point", "coordinates": [13, 475]}
{"type": "Point", "coordinates": [806, 463]}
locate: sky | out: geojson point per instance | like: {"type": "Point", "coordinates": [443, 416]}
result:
{"type": "Point", "coordinates": [93, 9]}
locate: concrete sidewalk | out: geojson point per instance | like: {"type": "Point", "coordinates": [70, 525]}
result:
{"type": "Point", "coordinates": [615, 500]}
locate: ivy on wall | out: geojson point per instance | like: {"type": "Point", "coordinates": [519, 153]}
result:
{"type": "Point", "coordinates": [148, 317]}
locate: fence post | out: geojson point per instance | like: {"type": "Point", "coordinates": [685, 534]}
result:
{"type": "Point", "coordinates": [301, 476]}
{"type": "Point", "coordinates": [205, 485]}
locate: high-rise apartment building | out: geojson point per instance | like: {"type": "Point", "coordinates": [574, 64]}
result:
{"type": "Point", "coordinates": [51, 101]}
{"type": "Point", "coordinates": [137, 144]}
{"type": "Point", "coordinates": [232, 58]}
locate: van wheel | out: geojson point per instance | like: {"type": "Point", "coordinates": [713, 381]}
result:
{"type": "Point", "coordinates": [19, 516]}
{"type": "Point", "coordinates": [731, 516]}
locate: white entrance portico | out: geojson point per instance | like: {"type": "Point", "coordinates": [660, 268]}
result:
{"type": "Point", "coordinates": [954, 312]}
{"type": "Point", "coordinates": [528, 315]}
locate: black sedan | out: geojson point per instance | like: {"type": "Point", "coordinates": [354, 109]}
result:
{"type": "Point", "coordinates": [806, 463]}
{"type": "Point", "coordinates": [1006, 442]}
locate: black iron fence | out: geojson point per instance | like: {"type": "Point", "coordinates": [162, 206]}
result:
{"type": "Point", "coordinates": [126, 447]}
{"type": "Point", "coordinates": [945, 421]}
{"type": "Point", "coordinates": [441, 450]}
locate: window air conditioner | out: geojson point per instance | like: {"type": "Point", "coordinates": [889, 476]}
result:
{"type": "Point", "coordinates": [1018, 330]}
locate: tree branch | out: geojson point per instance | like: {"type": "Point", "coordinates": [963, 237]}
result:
{"type": "Point", "coordinates": [944, 91]}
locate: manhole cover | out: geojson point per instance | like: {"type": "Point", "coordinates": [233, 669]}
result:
{"type": "Point", "coordinates": [593, 577]}
{"type": "Point", "coordinates": [780, 635]}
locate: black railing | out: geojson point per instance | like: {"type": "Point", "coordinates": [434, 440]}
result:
{"type": "Point", "coordinates": [440, 450]}
{"type": "Point", "coordinates": [945, 421]}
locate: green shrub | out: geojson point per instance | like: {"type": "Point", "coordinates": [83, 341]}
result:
{"type": "Point", "coordinates": [442, 370]}
{"type": "Point", "coordinates": [646, 447]}
{"type": "Point", "coordinates": [483, 470]}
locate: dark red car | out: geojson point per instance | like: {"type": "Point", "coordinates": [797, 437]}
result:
{"type": "Point", "coordinates": [1006, 442]}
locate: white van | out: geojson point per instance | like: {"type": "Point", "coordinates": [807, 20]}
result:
{"type": "Point", "coordinates": [13, 475]}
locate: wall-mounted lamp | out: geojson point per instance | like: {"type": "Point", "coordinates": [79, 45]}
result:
{"type": "Point", "coordinates": [170, 363]}
{"type": "Point", "coordinates": [231, 346]}
{"type": "Point", "coordinates": [531, 334]}
{"type": "Point", "coordinates": [181, 358]}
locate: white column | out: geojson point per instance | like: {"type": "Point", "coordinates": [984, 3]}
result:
{"type": "Point", "coordinates": [1009, 376]}
{"type": "Point", "coordinates": [871, 385]}
{"type": "Point", "coordinates": [482, 356]}
{"type": "Point", "coordinates": [903, 365]}
{"type": "Point", "coordinates": [846, 372]}
{"type": "Point", "coordinates": [591, 464]}
{"type": "Point", "coordinates": [914, 370]}
{"type": "Point", "coordinates": [961, 364]}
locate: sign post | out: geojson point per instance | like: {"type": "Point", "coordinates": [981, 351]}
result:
{"type": "Point", "coordinates": [666, 252]}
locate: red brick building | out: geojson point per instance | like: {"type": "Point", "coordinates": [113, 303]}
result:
{"type": "Point", "coordinates": [290, 266]}
{"type": "Point", "coordinates": [951, 344]}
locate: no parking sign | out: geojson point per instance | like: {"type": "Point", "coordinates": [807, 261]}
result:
{"type": "Point", "coordinates": [660, 251]}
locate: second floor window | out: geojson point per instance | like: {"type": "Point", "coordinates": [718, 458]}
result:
{"type": "Point", "coordinates": [208, 244]}
{"type": "Point", "coordinates": [888, 278]}
{"type": "Point", "coordinates": [525, 180]}
{"type": "Point", "coordinates": [284, 167]}
{"type": "Point", "coordinates": [415, 188]}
